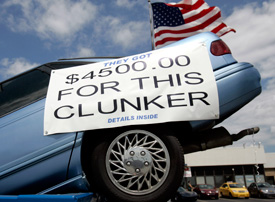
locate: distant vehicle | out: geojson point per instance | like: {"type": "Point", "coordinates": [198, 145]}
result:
{"type": "Point", "coordinates": [261, 190]}
{"type": "Point", "coordinates": [206, 191]}
{"type": "Point", "coordinates": [184, 195]}
{"type": "Point", "coordinates": [111, 161]}
{"type": "Point", "coordinates": [234, 190]}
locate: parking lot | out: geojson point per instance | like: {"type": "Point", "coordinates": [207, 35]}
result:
{"type": "Point", "coordinates": [236, 200]}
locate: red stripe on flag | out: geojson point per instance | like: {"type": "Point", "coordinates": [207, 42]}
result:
{"type": "Point", "coordinates": [199, 15]}
{"type": "Point", "coordinates": [187, 8]}
{"type": "Point", "coordinates": [191, 29]}
{"type": "Point", "coordinates": [221, 26]}
{"type": "Point", "coordinates": [198, 4]}
{"type": "Point", "coordinates": [168, 39]}
{"type": "Point", "coordinates": [216, 29]}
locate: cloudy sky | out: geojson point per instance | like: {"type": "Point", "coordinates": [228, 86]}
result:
{"type": "Point", "coordinates": [34, 32]}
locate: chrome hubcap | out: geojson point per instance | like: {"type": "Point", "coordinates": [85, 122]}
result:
{"type": "Point", "coordinates": [137, 162]}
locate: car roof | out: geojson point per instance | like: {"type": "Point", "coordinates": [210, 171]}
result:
{"type": "Point", "coordinates": [86, 60]}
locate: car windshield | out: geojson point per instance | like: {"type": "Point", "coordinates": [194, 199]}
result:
{"type": "Point", "coordinates": [235, 186]}
{"type": "Point", "coordinates": [181, 189]}
{"type": "Point", "coordinates": [206, 186]}
{"type": "Point", "coordinates": [263, 185]}
{"type": "Point", "coordinates": [28, 87]}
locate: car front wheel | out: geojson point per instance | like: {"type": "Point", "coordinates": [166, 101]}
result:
{"type": "Point", "coordinates": [137, 166]}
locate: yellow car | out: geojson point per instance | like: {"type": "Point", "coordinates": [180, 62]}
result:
{"type": "Point", "coordinates": [233, 189]}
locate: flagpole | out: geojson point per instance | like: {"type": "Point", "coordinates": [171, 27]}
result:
{"type": "Point", "coordinates": [151, 25]}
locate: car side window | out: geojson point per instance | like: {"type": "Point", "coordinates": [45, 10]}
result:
{"type": "Point", "coordinates": [29, 87]}
{"type": "Point", "coordinates": [23, 90]}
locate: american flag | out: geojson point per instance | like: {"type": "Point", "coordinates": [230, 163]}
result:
{"type": "Point", "coordinates": [176, 21]}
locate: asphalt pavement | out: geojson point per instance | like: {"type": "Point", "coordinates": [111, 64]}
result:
{"type": "Point", "coordinates": [237, 200]}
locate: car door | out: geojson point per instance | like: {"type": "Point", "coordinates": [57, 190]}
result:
{"type": "Point", "coordinates": [222, 190]}
{"type": "Point", "coordinates": [255, 189]}
{"type": "Point", "coordinates": [30, 162]}
{"type": "Point", "coordinates": [225, 190]}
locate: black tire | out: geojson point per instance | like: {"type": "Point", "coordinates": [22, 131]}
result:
{"type": "Point", "coordinates": [136, 166]}
{"type": "Point", "coordinates": [199, 196]}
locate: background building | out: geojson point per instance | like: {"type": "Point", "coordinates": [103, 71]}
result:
{"type": "Point", "coordinates": [269, 168]}
{"type": "Point", "coordinates": [239, 164]}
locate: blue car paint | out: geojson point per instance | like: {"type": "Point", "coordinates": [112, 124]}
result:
{"type": "Point", "coordinates": [82, 197]}
{"type": "Point", "coordinates": [233, 95]}
{"type": "Point", "coordinates": [24, 159]}
{"type": "Point", "coordinates": [207, 38]}
{"type": "Point", "coordinates": [25, 151]}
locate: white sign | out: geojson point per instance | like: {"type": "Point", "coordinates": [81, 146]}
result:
{"type": "Point", "coordinates": [171, 84]}
{"type": "Point", "coordinates": [187, 172]}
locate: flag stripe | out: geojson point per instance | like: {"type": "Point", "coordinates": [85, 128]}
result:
{"type": "Point", "coordinates": [192, 28]}
{"type": "Point", "coordinates": [186, 8]}
{"type": "Point", "coordinates": [195, 16]}
{"type": "Point", "coordinates": [194, 12]}
{"type": "Point", "coordinates": [190, 24]}
{"type": "Point", "coordinates": [187, 34]}
{"type": "Point", "coordinates": [199, 15]}
{"type": "Point", "coordinates": [222, 29]}
{"type": "Point", "coordinates": [169, 39]}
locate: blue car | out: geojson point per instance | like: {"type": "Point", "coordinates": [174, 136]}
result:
{"type": "Point", "coordinates": [130, 163]}
{"type": "Point", "coordinates": [184, 195]}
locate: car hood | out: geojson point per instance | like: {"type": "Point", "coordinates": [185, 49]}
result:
{"type": "Point", "coordinates": [208, 190]}
{"type": "Point", "coordinates": [239, 189]}
{"type": "Point", "coordinates": [187, 193]}
{"type": "Point", "coordinates": [268, 188]}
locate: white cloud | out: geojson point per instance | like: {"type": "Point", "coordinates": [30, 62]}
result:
{"type": "Point", "coordinates": [129, 3]}
{"type": "Point", "coordinates": [67, 22]}
{"type": "Point", "coordinates": [127, 35]}
{"type": "Point", "coordinates": [11, 67]}
{"type": "Point", "coordinates": [254, 42]}
{"type": "Point", "coordinates": [130, 34]}
{"type": "Point", "coordinates": [83, 52]}
{"type": "Point", "coordinates": [60, 19]}
{"type": "Point", "coordinates": [260, 112]}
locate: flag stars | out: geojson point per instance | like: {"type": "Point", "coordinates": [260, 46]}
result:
{"type": "Point", "coordinates": [166, 16]}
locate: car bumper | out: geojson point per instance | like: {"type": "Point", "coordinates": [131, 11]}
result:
{"type": "Point", "coordinates": [265, 195]}
{"type": "Point", "coordinates": [237, 85]}
{"type": "Point", "coordinates": [240, 195]}
{"type": "Point", "coordinates": [210, 195]}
